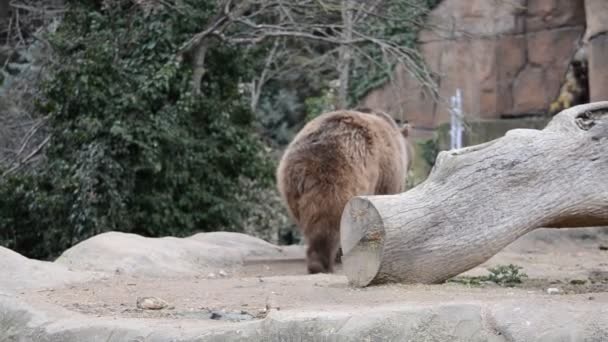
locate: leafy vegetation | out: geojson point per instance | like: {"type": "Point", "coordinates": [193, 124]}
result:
{"type": "Point", "coordinates": [131, 148]}
{"type": "Point", "coordinates": [429, 151]}
{"type": "Point", "coordinates": [307, 78]}
{"type": "Point", "coordinates": [132, 141]}
{"type": "Point", "coordinates": [502, 275]}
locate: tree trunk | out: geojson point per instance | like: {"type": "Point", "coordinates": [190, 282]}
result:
{"type": "Point", "coordinates": [479, 199]}
{"type": "Point", "coordinates": [345, 57]}
{"type": "Point", "coordinates": [198, 66]}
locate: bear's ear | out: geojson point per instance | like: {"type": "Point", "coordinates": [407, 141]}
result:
{"type": "Point", "coordinates": [405, 129]}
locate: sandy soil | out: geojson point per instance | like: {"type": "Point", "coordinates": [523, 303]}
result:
{"type": "Point", "coordinates": [577, 267]}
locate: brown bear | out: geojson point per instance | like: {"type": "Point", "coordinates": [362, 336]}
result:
{"type": "Point", "coordinates": [335, 157]}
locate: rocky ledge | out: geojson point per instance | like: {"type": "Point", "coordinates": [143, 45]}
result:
{"type": "Point", "coordinates": [233, 287]}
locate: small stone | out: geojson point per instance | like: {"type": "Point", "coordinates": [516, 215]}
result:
{"type": "Point", "coordinates": [603, 248]}
{"type": "Point", "coordinates": [591, 298]}
{"type": "Point", "coordinates": [223, 273]}
{"type": "Point", "coordinates": [151, 303]}
{"type": "Point", "coordinates": [211, 275]}
{"type": "Point", "coordinates": [552, 290]}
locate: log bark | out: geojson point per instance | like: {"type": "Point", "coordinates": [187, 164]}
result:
{"type": "Point", "coordinates": [479, 199]}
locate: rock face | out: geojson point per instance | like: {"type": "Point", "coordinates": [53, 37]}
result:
{"type": "Point", "coordinates": [597, 34]}
{"type": "Point", "coordinates": [19, 272]}
{"type": "Point", "coordinates": [509, 58]}
{"type": "Point", "coordinates": [132, 254]}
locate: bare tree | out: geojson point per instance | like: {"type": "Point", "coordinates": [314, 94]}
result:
{"type": "Point", "coordinates": [22, 133]}
{"type": "Point", "coordinates": [345, 29]}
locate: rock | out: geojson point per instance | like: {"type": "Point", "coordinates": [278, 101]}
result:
{"type": "Point", "coordinates": [598, 68]}
{"type": "Point", "coordinates": [552, 290]}
{"type": "Point", "coordinates": [507, 57]}
{"type": "Point", "coordinates": [596, 11]}
{"type": "Point", "coordinates": [169, 256]}
{"type": "Point", "coordinates": [151, 303]}
{"type": "Point", "coordinates": [19, 272]}
{"type": "Point", "coordinates": [440, 322]}
{"type": "Point", "coordinates": [549, 14]}
{"type": "Point", "coordinates": [327, 309]}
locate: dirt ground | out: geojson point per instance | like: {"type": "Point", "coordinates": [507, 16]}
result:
{"type": "Point", "coordinates": [577, 267]}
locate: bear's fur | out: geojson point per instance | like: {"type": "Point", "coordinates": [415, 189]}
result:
{"type": "Point", "coordinates": [335, 157]}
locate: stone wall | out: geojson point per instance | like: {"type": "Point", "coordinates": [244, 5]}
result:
{"type": "Point", "coordinates": [597, 36]}
{"type": "Point", "coordinates": [509, 58]}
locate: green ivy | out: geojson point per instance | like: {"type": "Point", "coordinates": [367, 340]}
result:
{"type": "Point", "coordinates": [132, 149]}
{"type": "Point", "coordinates": [429, 151]}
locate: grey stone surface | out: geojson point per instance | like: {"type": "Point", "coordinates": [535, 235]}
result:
{"type": "Point", "coordinates": [19, 272]}
{"type": "Point", "coordinates": [511, 321]}
{"type": "Point", "coordinates": [48, 302]}
{"type": "Point", "coordinates": [169, 256]}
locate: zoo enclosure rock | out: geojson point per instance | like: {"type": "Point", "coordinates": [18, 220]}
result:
{"type": "Point", "coordinates": [18, 272]}
{"type": "Point", "coordinates": [509, 317]}
{"type": "Point", "coordinates": [507, 57]}
{"type": "Point", "coordinates": [132, 254]}
{"type": "Point", "coordinates": [597, 34]}
{"type": "Point", "coordinates": [437, 313]}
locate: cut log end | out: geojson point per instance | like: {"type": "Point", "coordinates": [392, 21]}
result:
{"type": "Point", "coordinates": [362, 238]}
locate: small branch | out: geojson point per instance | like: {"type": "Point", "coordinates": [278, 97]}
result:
{"type": "Point", "coordinates": [197, 38]}
{"type": "Point", "coordinates": [256, 90]}
{"type": "Point", "coordinates": [28, 136]}
{"type": "Point", "coordinates": [28, 158]}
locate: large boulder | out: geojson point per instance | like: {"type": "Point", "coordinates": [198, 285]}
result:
{"type": "Point", "coordinates": [132, 254]}
{"type": "Point", "coordinates": [49, 302]}
{"type": "Point", "coordinates": [19, 273]}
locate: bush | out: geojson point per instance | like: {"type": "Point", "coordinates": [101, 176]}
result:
{"type": "Point", "coordinates": [501, 275]}
{"type": "Point", "coordinates": [132, 149]}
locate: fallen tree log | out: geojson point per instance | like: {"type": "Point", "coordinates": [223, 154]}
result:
{"type": "Point", "coordinates": [479, 199]}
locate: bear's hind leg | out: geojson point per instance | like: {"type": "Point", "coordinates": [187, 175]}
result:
{"type": "Point", "coordinates": [322, 252]}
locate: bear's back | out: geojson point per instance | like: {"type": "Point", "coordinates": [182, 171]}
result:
{"type": "Point", "coordinates": [334, 157]}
